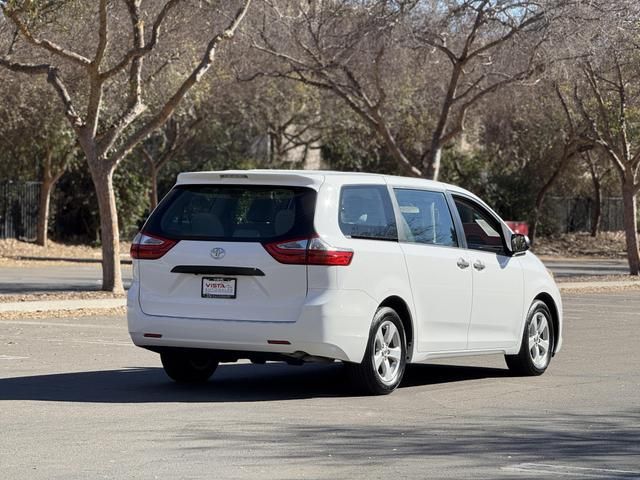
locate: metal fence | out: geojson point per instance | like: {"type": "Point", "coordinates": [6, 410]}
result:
{"type": "Point", "coordinates": [569, 214]}
{"type": "Point", "coordinates": [19, 210]}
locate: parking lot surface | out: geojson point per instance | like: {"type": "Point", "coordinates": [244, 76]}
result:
{"type": "Point", "coordinates": [55, 278]}
{"type": "Point", "coordinates": [77, 400]}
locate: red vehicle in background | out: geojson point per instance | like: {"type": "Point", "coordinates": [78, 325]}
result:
{"type": "Point", "coordinates": [518, 227]}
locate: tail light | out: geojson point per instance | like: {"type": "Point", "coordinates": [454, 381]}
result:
{"type": "Point", "coordinates": [150, 247]}
{"type": "Point", "coordinates": [308, 251]}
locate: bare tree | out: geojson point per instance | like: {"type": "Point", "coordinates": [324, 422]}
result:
{"type": "Point", "coordinates": [356, 51]}
{"type": "Point", "coordinates": [107, 139]}
{"type": "Point", "coordinates": [54, 165]}
{"type": "Point", "coordinates": [41, 140]}
{"type": "Point", "coordinates": [606, 101]}
{"type": "Point", "coordinates": [337, 47]}
{"type": "Point", "coordinates": [472, 36]}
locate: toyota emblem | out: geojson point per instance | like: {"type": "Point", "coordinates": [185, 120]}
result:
{"type": "Point", "coordinates": [218, 253]}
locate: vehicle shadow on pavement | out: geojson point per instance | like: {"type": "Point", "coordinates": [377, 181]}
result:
{"type": "Point", "coordinates": [500, 445]}
{"type": "Point", "coordinates": [230, 383]}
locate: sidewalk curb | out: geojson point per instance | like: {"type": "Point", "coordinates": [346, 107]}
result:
{"type": "Point", "coordinates": [57, 305]}
{"type": "Point", "coordinates": [577, 286]}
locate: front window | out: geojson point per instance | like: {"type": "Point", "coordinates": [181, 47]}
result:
{"type": "Point", "coordinates": [481, 229]}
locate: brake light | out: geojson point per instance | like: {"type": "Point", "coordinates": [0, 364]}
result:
{"type": "Point", "coordinates": [309, 251]}
{"type": "Point", "coordinates": [150, 247]}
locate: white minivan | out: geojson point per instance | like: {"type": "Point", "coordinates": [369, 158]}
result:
{"type": "Point", "coordinates": [309, 266]}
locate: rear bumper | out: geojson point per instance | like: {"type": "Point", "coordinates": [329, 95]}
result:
{"type": "Point", "coordinates": [332, 324]}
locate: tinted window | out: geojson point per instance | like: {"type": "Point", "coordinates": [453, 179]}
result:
{"type": "Point", "coordinates": [427, 217]}
{"type": "Point", "coordinates": [366, 212]}
{"type": "Point", "coordinates": [234, 213]}
{"type": "Point", "coordinates": [481, 229]}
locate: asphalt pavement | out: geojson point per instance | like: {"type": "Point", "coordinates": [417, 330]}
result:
{"type": "Point", "coordinates": [77, 277]}
{"type": "Point", "coordinates": [55, 278]}
{"type": "Point", "coordinates": [586, 267]}
{"type": "Point", "coordinates": [78, 401]}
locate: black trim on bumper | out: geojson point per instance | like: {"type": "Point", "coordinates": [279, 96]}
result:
{"type": "Point", "coordinates": [212, 270]}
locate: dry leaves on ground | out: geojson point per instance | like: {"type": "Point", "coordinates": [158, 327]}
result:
{"type": "Point", "coordinates": [17, 253]}
{"type": "Point", "coordinates": [605, 245]}
{"type": "Point", "coordinates": [53, 296]}
{"type": "Point", "coordinates": [85, 312]}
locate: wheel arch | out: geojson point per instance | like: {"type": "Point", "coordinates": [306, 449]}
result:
{"type": "Point", "coordinates": [402, 309]}
{"type": "Point", "coordinates": [555, 318]}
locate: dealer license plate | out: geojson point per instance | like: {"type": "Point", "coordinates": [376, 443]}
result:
{"type": "Point", "coordinates": [218, 287]}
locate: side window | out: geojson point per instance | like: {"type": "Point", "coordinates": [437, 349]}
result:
{"type": "Point", "coordinates": [481, 230]}
{"type": "Point", "coordinates": [366, 212]}
{"type": "Point", "coordinates": [427, 217]}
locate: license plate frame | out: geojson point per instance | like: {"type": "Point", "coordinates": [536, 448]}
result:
{"type": "Point", "coordinates": [229, 293]}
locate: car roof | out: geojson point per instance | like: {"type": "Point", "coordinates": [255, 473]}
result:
{"type": "Point", "coordinates": [313, 178]}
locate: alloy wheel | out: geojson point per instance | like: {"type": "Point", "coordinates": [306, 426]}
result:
{"type": "Point", "coordinates": [387, 352]}
{"type": "Point", "coordinates": [539, 340]}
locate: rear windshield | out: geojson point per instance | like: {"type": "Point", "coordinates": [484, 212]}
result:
{"type": "Point", "coordinates": [234, 213]}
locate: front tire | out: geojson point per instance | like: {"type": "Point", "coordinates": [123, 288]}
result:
{"type": "Point", "coordinates": [385, 358]}
{"type": "Point", "coordinates": [538, 342]}
{"type": "Point", "coordinates": [188, 367]}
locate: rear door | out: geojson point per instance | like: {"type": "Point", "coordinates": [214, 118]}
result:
{"type": "Point", "coordinates": [219, 268]}
{"type": "Point", "coordinates": [439, 270]}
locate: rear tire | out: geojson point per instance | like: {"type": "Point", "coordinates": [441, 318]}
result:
{"type": "Point", "coordinates": [191, 367]}
{"type": "Point", "coordinates": [385, 358]}
{"type": "Point", "coordinates": [538, 342]}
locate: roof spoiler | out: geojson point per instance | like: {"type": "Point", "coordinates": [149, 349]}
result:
{"type": "Point", "coordinates": [263, 177]}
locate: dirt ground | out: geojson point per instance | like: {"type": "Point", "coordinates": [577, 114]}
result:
{"type": "Point", "coordinates": [84, 312]}
{"type": "Point", "coordinates": [16, 253]}
{"type": "Point", "coordinates": [575, 245]}
{"type": "Point", "coordinates": [71, 295]}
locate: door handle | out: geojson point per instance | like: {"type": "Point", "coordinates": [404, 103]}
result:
{"type": "Point", "coordinates": [462, 263]}
{"type": "Point", "coordinates": [478, 265]}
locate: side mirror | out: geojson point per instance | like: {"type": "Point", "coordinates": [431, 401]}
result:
{"type": "Point", "coordinates": [519, 243]}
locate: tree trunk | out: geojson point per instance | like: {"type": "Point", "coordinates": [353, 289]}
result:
{"type": "Point", "coordinates": [46, 188]}
{"type": "Point", "coordinates": [533, 229]}
{"type": "Point", "coordinates": [630, 226]}
{"type": "Point", "coordinates": [596, 216]}
{"type": "Point", "coordinates": [153, 195]}
{"type": "Point", "coordinates": [431, 164]}
{"type": "Point", "coordinates": [566, 156]}
{"type": "Point", "coordinates": [109, 234]}
{"type": "Point", "coordinates": [433, 160]}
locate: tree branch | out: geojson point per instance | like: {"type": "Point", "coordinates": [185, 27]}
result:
{"type": "Point", "coordinates": [196, 75]}
{"type": "Point", "coordinates": [138, 52]}
{"type": "Point", "coordinates": [46, 44]}
{"type": "Point", "coordinates": [30, 68]}
{"type": "Point", "coordinates": [53, 78]}
{"type": "Point", "coordinates": [103, 38]}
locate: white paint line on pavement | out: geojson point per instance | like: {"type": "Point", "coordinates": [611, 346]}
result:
{"type": "Point", "coordinates": [58, 324]}
{"type": "Point", "coordinates": [633, 313]}
{"type": "Point", "coordinates": [11, 357]}
{"type": "Point", "coordinates": [104, 342]}
{"type": "Point", "coordinates": [571, 471]}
